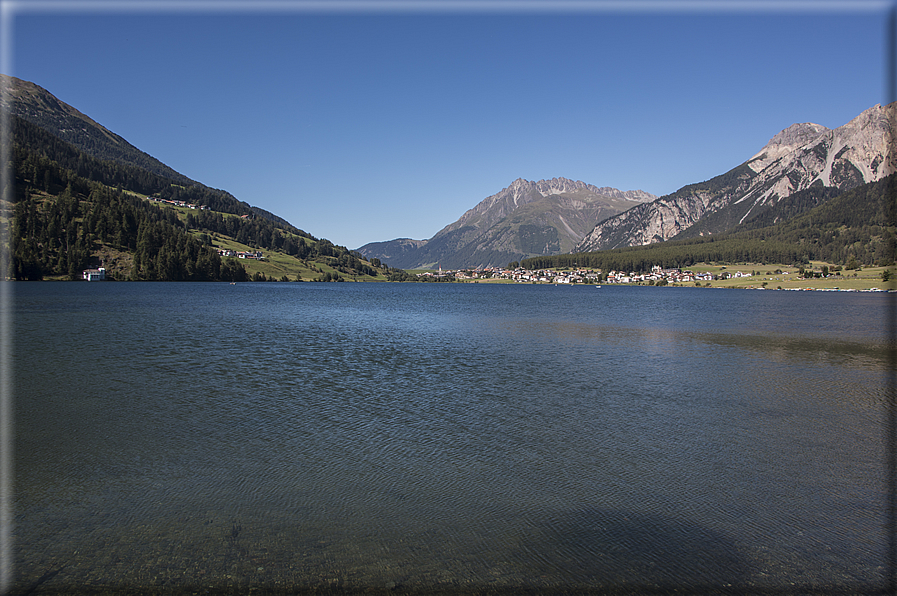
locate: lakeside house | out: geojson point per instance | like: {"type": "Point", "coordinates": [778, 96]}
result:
{"type": "Point", "coordinates": [94, 274]}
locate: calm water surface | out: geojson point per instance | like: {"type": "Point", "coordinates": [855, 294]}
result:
{"type": "Point", "coordinates": [190, 437]}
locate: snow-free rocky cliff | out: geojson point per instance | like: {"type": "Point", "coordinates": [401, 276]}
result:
{"type": "Point", "coordinates": [525, 219]}
{"type": "Point", "coordinates": [798, 157]}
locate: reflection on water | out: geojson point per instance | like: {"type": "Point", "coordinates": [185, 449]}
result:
{"type": "Point", "coordinates": [191, 437]}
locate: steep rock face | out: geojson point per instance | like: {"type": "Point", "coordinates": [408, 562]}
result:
{"type": "Point", "coordinates": [795, 159]}
{"type": "Point", "coordinates": [525, 219]}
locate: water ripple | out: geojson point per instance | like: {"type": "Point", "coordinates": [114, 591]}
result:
{"type": "Point", "coordinates": [425, 436]}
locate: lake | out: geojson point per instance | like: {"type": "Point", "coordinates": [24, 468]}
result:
{"type": "Point", "coordinates": [442, 438]}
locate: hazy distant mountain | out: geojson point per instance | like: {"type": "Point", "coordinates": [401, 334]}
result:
{"type": "Point", "coordinates": [523, 220]}
{"type": "Point", "coordinates": [399, 250]}
{"type": "Point", "coordinates": [801, 156]}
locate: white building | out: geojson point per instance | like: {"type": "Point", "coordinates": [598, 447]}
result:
{"type": "Point", "coordinates": [94, 274]}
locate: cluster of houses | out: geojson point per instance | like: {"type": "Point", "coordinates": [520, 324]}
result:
{"type": "Point", "coordinates": [249, 254]}
{"type": "Point", "coordinates": [177, 203]}
{"type": "Point", "coordinates": [658, 273]}
{"type": "Point", "coordinates": [549, 276]}
{"type": "Point", "coordinates": [581, 275]}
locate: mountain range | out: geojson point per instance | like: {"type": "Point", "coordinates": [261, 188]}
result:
{"type": "Point", "coordinates": [799, 168]}
{"type": "Point", "coordinates": [560, 216]}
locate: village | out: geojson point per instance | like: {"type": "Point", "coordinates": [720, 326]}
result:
{"type": "Point", "coordinates": [658, 275]}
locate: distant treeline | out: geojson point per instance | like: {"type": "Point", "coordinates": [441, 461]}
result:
{"type": "Point", "coordinates": [852, 229]}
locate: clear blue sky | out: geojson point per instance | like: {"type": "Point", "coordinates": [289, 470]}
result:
{"type": "Point", "coordinates": [373, 121]}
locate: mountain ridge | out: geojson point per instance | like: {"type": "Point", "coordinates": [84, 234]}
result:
{"type": "Point", "coordinates": [33, 103]}
{"type": "Point", "coordinates": [852, 229]}
{"type": "Point", "coordinates": [523, 219]}
{"type": "Point", "coordinates": [794, 159]}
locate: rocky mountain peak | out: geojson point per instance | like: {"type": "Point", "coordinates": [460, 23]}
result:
{"type": "Point", "coordinates": [798, 135]}
{"type": "Point", "coordinates": [522, 191]}
{"type": "Point", "coordinates": [557, 186]}
{"type": "Point", "coordinates": [520, 187]}
{"type": "Point", "coordinates": [793, 137]}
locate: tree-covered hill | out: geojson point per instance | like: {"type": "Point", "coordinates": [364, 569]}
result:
{"type": "Point", "coordinates": [73, 211]}
{"type": "Point", "coordinates": [852, 229]}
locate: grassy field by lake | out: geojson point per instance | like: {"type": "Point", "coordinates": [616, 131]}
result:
{"type": "Point", "coordinates": [786, 277]}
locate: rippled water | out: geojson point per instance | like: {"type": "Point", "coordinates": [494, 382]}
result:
{"type": "Point", "coordinates": [191, 437]}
